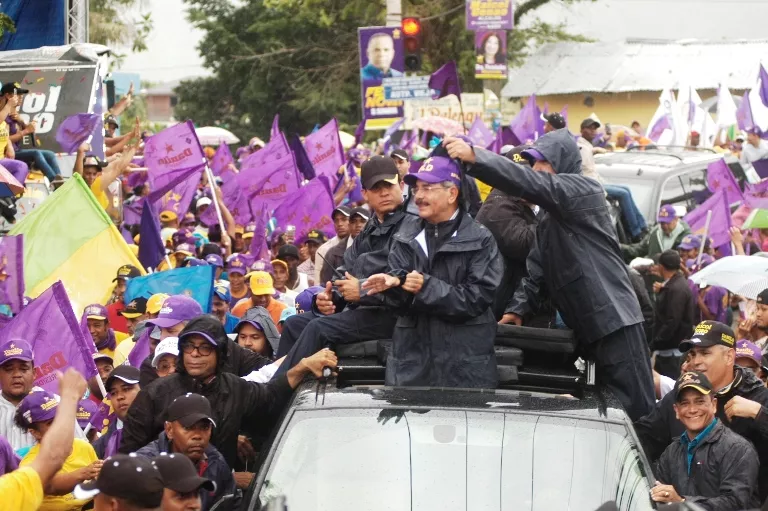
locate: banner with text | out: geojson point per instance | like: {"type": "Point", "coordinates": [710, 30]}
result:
{"type": "Point", "coordinates": [490, 15]}
{"type": "Point", "coordinates": [447, 107]}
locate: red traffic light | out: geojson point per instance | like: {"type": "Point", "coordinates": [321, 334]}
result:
{"type": "Point", "coordinates": [411, 26]}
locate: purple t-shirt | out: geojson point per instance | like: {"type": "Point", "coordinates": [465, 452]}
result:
{"type": "Point", "coordinates": [714, 299]}
{"type": "Point", "coordinates": [8, 459]}
{"type": "Point", "coordinates": [13, 128]}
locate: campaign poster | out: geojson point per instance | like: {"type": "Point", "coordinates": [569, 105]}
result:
{"type": "Point", "coordinates": [381, 56]}
{"type": "Point", "coordinates": [490, 14]}
{"type": "Point", "coordinates": [491, 54]}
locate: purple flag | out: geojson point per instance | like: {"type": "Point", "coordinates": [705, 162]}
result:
{"type": "Point", "coordinates": [49, 324]}
{"type": "Point", "coordinates": [275, 149]}
{"type": "Point", "coordinates": [132, 211]}
{"type": "Point", "coordinates": [359, 132]}
{"type": "Point", "coordinates": [275, 131]}
{"type": "Point", "coordinates": [744, 114]}
{"type": "Point", "coordinates": [234, 198]}
{"type": "Point", "coordinates": [308, 208]}
{"type": "Point", "coordinates": [303, 162]}
{"type": "Point", "coordinates": [763, 85]}
{"type": "Point", "coordinates": [271, 185]}
{"type": "Point", "coordinates": [221, 159]}
{"type": "Point", "coordinates": [761, 168]}
{"type": "Point", "coordinates": [324, 149]}
{"type": "Point", "coordinates": [527, 124]}
{"type": "Point", "coordinates": [259, 249]}
{"type": "Point", "coordinates": [172, 149]}
{"type": "Point", "coordinates": [655, 131]}
{"type": "Point", "coordinates": [12, 272]}
{"type": "Point", "coordinates": [719, 223]}
{"type": "Point", "coordinates": [720, 177]}
{"type": "Point", "coordinates": [140, 350]}
{"type": "Point", "coordinates": [388, 135]}
{"type": "Point", "coordinates": [564, 113]}
{"type": "Point", "coordinates": [175, 189]}
{"type": "Point", "coordinates": [479, 133]}
{"type": "Point", "coordinates": [446, 81]}
{"type": "Point", "coordinates": [756, 196]}
{"type": "Point", "coordinates": [356, 194]}
{"type": "Point", "coordinates": [74, 130]}
{"type": "Point", "coordinates": [151, 246]}
{"type": "Point", "coordinates": [97, 420]}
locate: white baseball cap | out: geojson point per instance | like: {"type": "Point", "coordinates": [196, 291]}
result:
{"type": "Point", "coordinates": [168, 346]}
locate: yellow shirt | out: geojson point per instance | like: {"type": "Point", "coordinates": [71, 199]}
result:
{"type": "Point", "coordinates": [119, 338]}
{"type": "Point", "coordinates": [21, 490]}
{"type": "Point", "coordinates": [81, 456]}
{"type": "Point", "coordinates": [100, 194]}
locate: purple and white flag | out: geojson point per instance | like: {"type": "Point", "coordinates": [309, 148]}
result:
{"type": "Point", "coordinates": [76, 129]}
{"type": "Point", "coordinates": [324, 149]}
{"type": "Point", "coordinates": [310, 207]}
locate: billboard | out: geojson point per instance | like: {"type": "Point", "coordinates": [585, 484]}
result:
{"type": "Point", "coordinates": [381, 56]}
{"type": "Point", "coordinates": [471, 103]}
{"type": "Point", "coordinates": [491, 54]}
{"type": "Point", "coordinates": [490, 15]}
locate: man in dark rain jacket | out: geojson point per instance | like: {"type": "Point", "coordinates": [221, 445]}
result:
{"type": "Point", "coordinates": [444, 271]}
{"type": "Point", "coordinates": [577, 258]}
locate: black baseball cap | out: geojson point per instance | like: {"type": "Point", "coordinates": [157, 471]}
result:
{"type": "Point", "coordinates": [377, 169]}
{"type": "Point", "coordinates": [189, 409]}
{"type": "Point", "coordinates": [399, 154]}
{"type": "Point", "coordinates": [763, 297]}
{"type": "Point", "coordinates": [135, 308]}
{"type": "Point", "coordinates": [316, 236]}
{"type": "Point", "coordinates": [344, 210]}
{"type": "Point", "coordinates": [693, 380]}
{"type": "Point", "coordinates": [710, 333]}
{"type": "Point", "coordinates": [126, 476]}
{"type": "Point", "coordinates": [589, 122]}
{"type": "Point", "coordinates": [125, 373]}
{"type": "Point", "coordinates": [12, 88]}
{"type": "Point", "coordinates": [288, 251]}
{"type": "Point", "coordinates": [91, 160]}
{"type": "Point", "coordinates": [180, 475]}
{"type": "Point", "coordinates": [515, 154]}
{"type": "Point", "coordinates": [669, 259]}
{"type": "Point", "coordinates": [555, 120]}
{"type": "Point", "coordinates": [111, 119]}
{"type": "Point", "coordinates": [127, 271]}
{"type": "Point", "coordinates": [361, 211]}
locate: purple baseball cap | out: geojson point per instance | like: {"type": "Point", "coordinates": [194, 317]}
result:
{"type": "Point", "coordinates": [38, 406]}
{"type": "Point", "coordinates": [436, 169]}
{"type": "Point", "coordinates": [182, 236]}
{"type": "Point", "coordinates": [237, 264]}
{"type": "Point", "coordinates": [689, 242]}
{"type": "Point", "coordinates": [85, 410]}
{"type": "Point", "coordinates": [193, 261]}
{"type": "Point", "coordinates": [304, 299]}
{"type": "Point", "coordinates": [214, 260]}
{"type": "Point", "coordinates": [532, 155]}
{"type": "Point", "coordinates": [96, 311]}
{"type": "Point", "coordinates": [262, 265]}
{"type": "Point", "coordinates": [666, 214]}
{"type": "Point", "coordinates": [186, 249]}
{"type": "Point", "coordinates": [747, 349]}
{"type": "Point", "coordinates": [16, 349]}
{"type": "Point", "coordinates": [177, 308]}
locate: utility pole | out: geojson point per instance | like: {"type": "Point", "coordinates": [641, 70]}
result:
{"type": "Point", "coordinates": [394, 13]}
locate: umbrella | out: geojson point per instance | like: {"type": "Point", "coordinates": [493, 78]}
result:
{"type": "Point", "coordinates": [439, 125]}
{"type": "Point", "coordinates": [757, 219]}
{"type": "Point", "coordinates": [9, 186]}
{"type": "Point", "coordinates": [347, 140]}
{"type": "Point", "coordinates": [743, 275]}
{"type": "Point", "coordinates": [212, 135]}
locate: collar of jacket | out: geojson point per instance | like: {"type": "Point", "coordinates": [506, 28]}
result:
{"type": "Point", "coordinates": [390, 219]}
{"type": "Point", "coordinates": [708, 434]}
{"type": "Point", "coordinates": [469, 235]}
{"type": "Point", "coordinates": [730, 390]}
{"type": "Point", "coordinates": [197, 386]}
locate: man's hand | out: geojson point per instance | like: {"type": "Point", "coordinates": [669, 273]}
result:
{"type": "Point", "coordinates": [380, 282]}
{"type": "Point", "coordinates": [736, 236]}
{"type": "Point", "coordinates": [84, 147]}
{"type": "Point", "coordinates": [457, 148]}
{"type": "Point", "coordinates": [742, 407]}
{"type": "Point", "coordinates": [413, 282]}
{"type": "Point", "coordinates": [91, 471]}
{"type": "Point", "coordinates": [323, 301]}
{"type": "Point", "coordinates": [349, 287]}
{"type": "Point", "coordinates": [657, 287]}
{"type": "Point", "coordinates": [665, 493]}
{"type": "Point", "coordinates": [318, 361]}
{"type": "Point", "coordinates": [71, 384]}
{"type": "Point", "coordinates": [245, 449]}
{"type": "Point", "coordinates": [243, 479]}
{"type": "Point", "coordinates": [511, 319]}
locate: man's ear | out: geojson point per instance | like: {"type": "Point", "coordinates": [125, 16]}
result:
{"type": "Point", "coordinates": [169, 430]}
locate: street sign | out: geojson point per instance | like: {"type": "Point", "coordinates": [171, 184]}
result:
{"type": "Point", "coordinates": [407, 87]}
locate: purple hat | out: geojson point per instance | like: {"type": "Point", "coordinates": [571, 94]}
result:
{"type": "Point", "coordinates": [177, 308]}
{"type": "Point", "coordinates": [237, 264]}
{"type": "Point", "coordinates": [186, 249]}
{"type": "Point", "coordinates": [262, 265]}
{"type": "Point", "coordinates": [304, 299]}
{"type": "Point", "coordinates": [96, 311]}
{"type": "Point", "coordinates": [85, 410]}
{"type": "Point", "coordinates": [747, 349]}
{"type": "Point", "coordinates": [690, 242]}
{"type": "Point", "coordinates": [38, 406]}
{"type": "Point", "coordinates": [436, 169]}
{"type": "Point", "coordinates": [182, 236]}
{"type": "Point", "coordinates": [533, 155]}
{"type": "Point", "coordinates": [193, 261]}
{"type": "Point", "coordinates": [16, 349]}
{"type": "Point", "coordinates": [214, 260]}
{"type": "Point", "coordinates": [276, 235]}
{"type": "Point", "coordinates": [667, 214]}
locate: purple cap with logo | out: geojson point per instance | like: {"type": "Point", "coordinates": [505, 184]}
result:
{"type": "Point", "coordinates": [304, 299]}
{"type": "Point", "coordinates": [177, 308]}
{"type": "Point", "coordinates": [186, 249]}
{"type": "Point", "coordinates": [690, 242]}
{"type": "Point", "coordinates": [237, 264]}
{"type": "Point", "coordinates": [15, 349]}
{"type": "Point", "coordinates": [193, 261]}
{"type": "Point", "coordinates": [436, 169]}
{"type": "Point", "coordinates": [96, 311]}
{"type": "Point", "coordinates": [182, 236]}
{"type": "Point", "coordinates": [38, 406]}
{"type": "Point", "coordinates": [262, 265]}
{"type": "Point", "coordinates": [214, 260]}
{"type": "Point", "coordinates": [533, 155]}
{"type": "Point", "coordinates": [667, 214]}
{"type": "Point", "coordinates": [747, 349]}
{"type": "Point", "coordinates": [85, 410]}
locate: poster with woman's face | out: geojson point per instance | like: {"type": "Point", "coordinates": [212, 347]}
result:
{"type": "Point", "coordinates": [491, 51]}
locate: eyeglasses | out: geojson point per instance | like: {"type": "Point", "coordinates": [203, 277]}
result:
{"type": "Point", "coordinates": [203, 349]}
{"type": "Point", "coordinates": [428, 188]}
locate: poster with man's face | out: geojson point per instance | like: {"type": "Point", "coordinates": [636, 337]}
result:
{"type": "Point", "coordinates": [491, 54]}
{"type": "Point", "coordinates": [381, 56]}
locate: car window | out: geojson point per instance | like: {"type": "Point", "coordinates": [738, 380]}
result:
{"type": "Point", "coordinates": [453, 460]}
{"type": "Point", "coordinates": [642, 192]}
{"type": "Point", "coordinates": [688, 189]}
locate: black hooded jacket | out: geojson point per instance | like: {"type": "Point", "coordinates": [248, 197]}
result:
{"type": "Point", "coordinates": [231, 397]}
{"type": "Point", "coordinates": [576, 254]}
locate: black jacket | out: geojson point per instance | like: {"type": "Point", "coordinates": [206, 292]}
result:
{"type": "Point", "coordinates": [576, 254]}
{"type": "Point", "coordinates": [335, 258]}
{"type": "Point", "coordinates": [231, 397]}
{"type": "Point", "coordinates": [723, 473]}
{"type": "Point", "coordinates": [644, 299]}
{"type": "Point", "coordinates": [513, 225]}
{"type": "Point", "coordinates": [660, 427]}
{"type": "Point", "coordinates": [445, 333]}
{"type": "Point", "coordinates": [673, 322]}
{"type": "Point", "coordinates": [216, 469]}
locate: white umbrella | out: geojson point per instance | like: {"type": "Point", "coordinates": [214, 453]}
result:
{"type": "Point", "coordinates": [212, 135]}
{"type": "Point", "coordinates": [347, 140]}
{"type": "Point", "coordinates": [743, 275]}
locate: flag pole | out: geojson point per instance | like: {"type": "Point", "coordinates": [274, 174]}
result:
{"type": "Point", "coordinates": [215, 197]}
{"type": "Point", "coordinates": [704, 238]}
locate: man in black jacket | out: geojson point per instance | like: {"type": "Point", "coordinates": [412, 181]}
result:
{"type": "Point", "coordinates": [674, 315]}
{"type": "Point", "coordinates": [710, 464]}
{"type": "Point", "coordinates": [444, 268]}
{"type": "Point", "coordinates": [577, 257]}
{"type": "Point", "coordinates": [742, 399]}
{"type": "Point", "coordinates": [203, 350]}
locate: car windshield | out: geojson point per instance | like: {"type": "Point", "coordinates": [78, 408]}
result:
{"type": "Point", "coordinates": [453, 460]}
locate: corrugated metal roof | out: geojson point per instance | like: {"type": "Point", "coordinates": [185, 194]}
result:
{"type": "Point", "coordinates": [636, 65]}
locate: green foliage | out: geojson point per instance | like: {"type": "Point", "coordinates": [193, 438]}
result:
{"type": "Point", "coordinates": [299, 58]}
{"type": "Point", "coordinates": [6, 24]}
{"type": "Point", "coordinates": [112, 24]}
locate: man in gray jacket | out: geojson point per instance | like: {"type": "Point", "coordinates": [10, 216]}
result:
{"type": "Point", "coordinates": [577, 257]}
{"type": "Point", "coordinates": [710, 464]}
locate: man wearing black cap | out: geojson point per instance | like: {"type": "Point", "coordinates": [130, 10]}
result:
{"type": "Point", "coordinates": [709, 464]}
{"type": "Point", "coordinates": [183, 485]}
{"type": "Point", "coordinates": [297, 282]}
{"type": "Point", "coordinates": [122, 387]}
{"type": "Point", "coordinates": [403, 164]}
{"type": "Point", "coordinates": [188, 429]}
{"type": "Point", "coordinates": [553, 121]}
{"type": "Point", "coordinates": [340, 217]}
{"type": "Point", "coordinates": [577, 258]}
{"type": "Point", "coordinates": [125, 483]}
{"type": "Point", "coordinates": [335, 256]}
{"type": "Point", "coordinates": [116, 304]}
{"type": "Point", "coordinates": [314, 240]}
{"type": "Point", "coordinates": [673, 321]}
{"type": "Point", "coordinates": [134, 313]}
{"type": "Point", "coordinates": [741, 397]}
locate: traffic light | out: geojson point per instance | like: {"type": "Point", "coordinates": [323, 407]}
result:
{"type": "Point", "coordinates": [412, 43]}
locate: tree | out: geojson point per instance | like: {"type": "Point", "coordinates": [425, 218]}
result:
{"type": "Point", "coordinates": [299, 58]}
{"type": "Point", "coordinates": [113, 23]}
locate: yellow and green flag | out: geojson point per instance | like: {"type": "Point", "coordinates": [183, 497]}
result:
{"type": "Point", "coordinates": [70, 237]}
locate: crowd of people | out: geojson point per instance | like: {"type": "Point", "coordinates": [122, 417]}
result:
{"type": "Point", "coordinates": [424, 259]}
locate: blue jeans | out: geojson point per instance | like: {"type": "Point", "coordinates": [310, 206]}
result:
{"type": "Point", "coordinates": [45, 161]}
{"type": "Point", "coordinates": [635, 220]}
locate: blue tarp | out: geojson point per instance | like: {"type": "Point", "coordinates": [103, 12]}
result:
{"type": "Point", "coordinates": [38, 23]}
